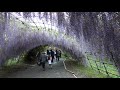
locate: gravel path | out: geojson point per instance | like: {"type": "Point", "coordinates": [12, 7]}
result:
{"type": "Point", "coordinates": [36, 71]}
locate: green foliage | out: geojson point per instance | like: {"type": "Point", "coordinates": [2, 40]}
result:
{"type": "Point", "coordinates": [31, 55]}
{"type": "Point", "coordinates": [90, 72]}
{"type": "Point", "coordinates": [15, 61]}
{"type": "Point", "coordinates": [66, 55]}
{"type": "Point", "coordinates": [87, 72]}
{"type": "Point", "coordinates": [20, 62]}
{"type": "Point", "coordinates": [13, 65]}
{"type": "Point", "coordinates": [110, 67]}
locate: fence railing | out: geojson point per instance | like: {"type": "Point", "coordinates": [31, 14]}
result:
{"type": "Point", "coordinates": [103, 67]}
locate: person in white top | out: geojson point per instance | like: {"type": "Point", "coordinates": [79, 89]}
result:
{"type": "Point", "coordinates": [49, 61]}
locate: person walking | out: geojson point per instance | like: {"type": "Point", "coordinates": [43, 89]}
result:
{"type": "Point", "coordinates": [43, 59]}
{"type": "Point", "coordinates": [60, 53]}
{"type": "Point", "coordinates": [52, 55]}
{"type": "Point", "coordinates": [57, 55]}
{"type": "Point", "coordinates": [48, 52]}
{"type": "Point", "coordinates": [49, 61]}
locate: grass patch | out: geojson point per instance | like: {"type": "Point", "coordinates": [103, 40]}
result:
{"type": "Point", "coordinates": [90, 72]}
{"type": "Point", "coordinates": [6, 70]}
{"type": "Point", "coordinates": [13, 65]}
{"type": "Point", "coordinates": [84, 71]}
{"type": "Point", "coordinates": [111, 69]}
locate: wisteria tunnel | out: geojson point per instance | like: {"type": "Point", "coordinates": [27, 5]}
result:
{"type": "Point", "coordinates": [79, 33]}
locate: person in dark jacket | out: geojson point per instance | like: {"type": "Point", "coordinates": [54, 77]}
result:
{"type": "Point", "coordinates": [60, 53]}
{"type": "Point", "coordinates": [48, 52]}
{"type": "Point", "coordinates": [43, 59]}
{"type": "Point", "coordinates": [52, 55]}
{"type": "Point", "coordinates": [57, 55]}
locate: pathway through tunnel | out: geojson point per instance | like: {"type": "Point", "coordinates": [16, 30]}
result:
{"type": "Point", "coordinates": [66, 67]}
{"type": "Point", "coordinates": [90, 42]}
{"type": "Point", "coordinates": [36, 71]}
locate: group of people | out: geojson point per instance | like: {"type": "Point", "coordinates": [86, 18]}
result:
{"type": "Point", "coordinates": [49, 57]}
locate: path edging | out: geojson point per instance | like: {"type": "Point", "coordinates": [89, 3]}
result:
{"type": "Point", "coordinates": [69, 70]}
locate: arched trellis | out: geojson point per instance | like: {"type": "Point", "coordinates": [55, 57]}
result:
{"type": "Point", "coordinates": [21, 37]}
{"type": "Point", "coordinates": [24, 45]}
{"type": "Point", "coordinates": [94, 32]}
